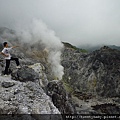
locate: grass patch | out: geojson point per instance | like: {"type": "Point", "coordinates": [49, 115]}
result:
{"type": "Point", "coordinates": [68, 45]}
{"type": "Point", "coordinates": [67, 87]}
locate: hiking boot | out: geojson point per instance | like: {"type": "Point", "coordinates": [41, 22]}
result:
{"type": "Point", "coordinates": [18, 67]}
{"type": "Point", "coordinates": [5, 75]}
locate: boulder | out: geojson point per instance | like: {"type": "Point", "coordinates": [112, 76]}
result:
{"type": "Point", "coordinates": [7, 84]}
{"type": "Point", "coordinates": [25, 74]}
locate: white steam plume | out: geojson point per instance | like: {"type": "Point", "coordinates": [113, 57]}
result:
{"type": "Point", "coordinates": [38, 31]}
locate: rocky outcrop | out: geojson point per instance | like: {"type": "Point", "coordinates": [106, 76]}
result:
{"type": "Point", "coordinates": [24, 96]}
{"type": "Point", "coordinates": [60, 97]}
{"type": "Point", "coordinates": [97, 73]}
{"type": "Point", "coordinates": [24, 90]}
{"type": "Point", "coordinates": [94, 79]}
{"type": "Point", "coordinates": [25, 74]}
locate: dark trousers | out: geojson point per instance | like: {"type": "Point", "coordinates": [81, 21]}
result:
{"type": "Point", "coordinates": [8, 64]}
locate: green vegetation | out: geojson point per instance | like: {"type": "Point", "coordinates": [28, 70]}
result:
{"type": "Point", "coordinates": [67, 87]}
{"type": "Point", "coordinates": [83, 51]}
{"type": "Point", "coordinates": [68, 45]}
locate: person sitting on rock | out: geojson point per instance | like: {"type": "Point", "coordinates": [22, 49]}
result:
{"type": "Point", "coordinates": [8, 58]}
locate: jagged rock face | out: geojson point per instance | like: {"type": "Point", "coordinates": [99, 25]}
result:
{"type": "Point", "coordinates": [97, 73]}
{"type": "Point", "coordinates": [60, 97]}
{"type": "Point", "coordinates": [39, 68]}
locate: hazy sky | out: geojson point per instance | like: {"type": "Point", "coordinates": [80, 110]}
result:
{"type": "Point", "coordinates": [76, 21]}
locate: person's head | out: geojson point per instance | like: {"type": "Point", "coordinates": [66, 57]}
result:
{"type": "Point", "coordinates": [5, 44]}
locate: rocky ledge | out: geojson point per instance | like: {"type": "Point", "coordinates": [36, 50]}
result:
{"type": "Point", "coordinates": [28, 92]}
{"type": "Point", "coordinates": [24, 95]}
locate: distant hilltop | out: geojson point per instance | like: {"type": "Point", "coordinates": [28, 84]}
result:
{"type": "Point", "coordinates": [87, 48]}
{"type": "Point", "coordinates": [93, 48]}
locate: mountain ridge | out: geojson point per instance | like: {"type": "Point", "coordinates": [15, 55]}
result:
{"type": "Point", "coordinates": [90, 82]}
{"type": "Point", "coordinates": [97, 47]}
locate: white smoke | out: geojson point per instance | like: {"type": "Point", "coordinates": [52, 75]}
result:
{"type": "Point", "coordinates": [37, 31]}
{"type": "Point", "coordinates": [54, 59]}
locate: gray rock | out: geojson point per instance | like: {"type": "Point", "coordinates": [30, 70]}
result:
{"type": "Point", "coordinates": [107, 109]}
{"type": "Point", "coordinates": [25, 74]}
{"type": "Point", "coordinates": [25, 98]}
{"type": "Point", "coordinates": [97, 73]}
{"type": "Point", "coordinates": [7, 84]}
{"type": "Point", "coordinates": [60, 97]}
{"type": "Point", "coordinates": [92, 76]}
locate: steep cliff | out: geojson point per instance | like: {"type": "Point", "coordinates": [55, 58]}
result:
{"type": "Point", "coordinates": [97, 73]}
{"type": "Point", "coordinates": [92, 77]}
